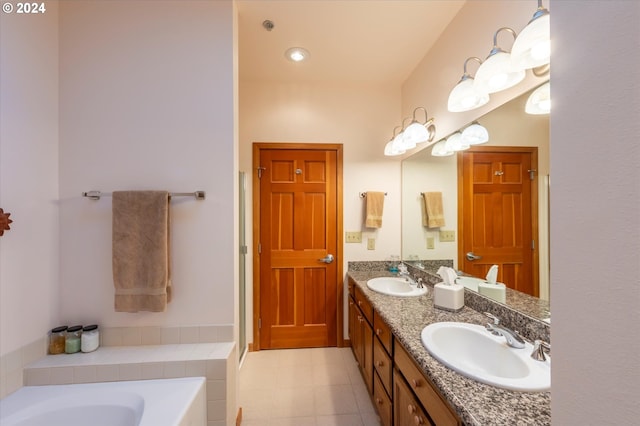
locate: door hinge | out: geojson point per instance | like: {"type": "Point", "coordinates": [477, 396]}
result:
{"type": "Point", "coordinates": [243, 249]}
{"type": "Point", "coordinates": [259, 322]}
{"type": "Point", "coordinates": [259, 248]}
{"type": "Point", "coordinates": [532, 174]}
{"type": "Point", "coordinates": [533, 244]}
{"type": "Point", "coordinates": [260, 170]}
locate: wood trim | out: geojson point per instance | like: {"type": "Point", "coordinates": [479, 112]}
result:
{"type": "Point", "coordinates": [239, 417]}
{"type": "Point", "coordinates": [338, 148]}
{"type": "Point", "coordinates": [534, 202]}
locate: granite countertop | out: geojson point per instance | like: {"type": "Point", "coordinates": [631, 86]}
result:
{"type": "Point", "coordinates": [476, 403]}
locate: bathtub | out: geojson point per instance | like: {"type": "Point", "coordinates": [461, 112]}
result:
{"type": "Point", "coordinates": [164, 402]}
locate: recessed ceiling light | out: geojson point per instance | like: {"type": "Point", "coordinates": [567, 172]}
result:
{"type": "Point", "coordinates": [297, 54]}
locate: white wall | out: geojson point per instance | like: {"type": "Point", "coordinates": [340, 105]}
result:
{"type": "Point", "coordinates": [595, 213]}
{"type": "Point", "coordinates": [146, 102]}
{"type": "Point", "coordinates": [361, 118]}
{"type": "Point", "coordinates": [29, 176]}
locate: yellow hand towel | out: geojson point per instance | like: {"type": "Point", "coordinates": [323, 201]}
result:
{"type": "Point", "coordinates": [141, 262]}
{"type": "Point", "coordinates": [375, 206]}
{"type": "Point", "coordinates": [434, 214]}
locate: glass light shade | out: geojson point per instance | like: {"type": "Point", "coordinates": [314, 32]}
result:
{"type": "Point", "coordinates": [391, 151]}
{"type": "Point", "coordinates": [415, 133]}
{"type": "Point", "coordinates": [455, 143]}
{"type": "Point", "coordinates": [532, 47]}
{"type": "Point", "coordinates": [495, 73]}
{"type": "Point", "coordinates": [475, 134]}
{"type": "Point", "coordinates": [466, 96]}
{"type": "Point", "coordinates": [440, 149]}
{"type": "Point", "coordinates": [401, 143]}
{"type": "Point", "coordinates": [539, 101]}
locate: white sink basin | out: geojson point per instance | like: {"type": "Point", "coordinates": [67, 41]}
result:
{"type": "Point", "coordinates": [395, 286]}
{"type": "Point", "coordinates": [473, 352]}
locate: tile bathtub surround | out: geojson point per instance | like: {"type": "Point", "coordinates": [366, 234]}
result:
{"type": "Point", "coordinates": [476, 403]}
{"type": "Point", "coordinates": [136, 336]}
{"type": "Point", "coordinates": [215, 361]}
{"type": "Point", "coordinates": [298, 387]}
{"type": "Point", "coordinates": [13, 363]}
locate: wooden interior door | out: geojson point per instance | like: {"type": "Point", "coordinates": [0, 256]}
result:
{"type": "Point", "coordinates": [497, 215]}
{"type": "Point", "coordinates": [298, 233]}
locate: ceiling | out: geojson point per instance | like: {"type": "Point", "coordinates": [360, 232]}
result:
{"type": "Point", "coordinates": [350, 41]}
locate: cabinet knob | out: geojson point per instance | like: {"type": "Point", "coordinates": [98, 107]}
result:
{"type": "Point", "coordinates": [415, 383]}
{"type": "Point", "coordinates": [379, 401]}
{"type": "Point", "coordinates": [378, 331]}
{"type": "Point", "coordinates": [418, 420]}
{"type": "Point", "coordinates": [359, 302]}
{"type": "Point", "coordinates": [411, 409]}
{"type": "Point", "coordinates": [379, 363]}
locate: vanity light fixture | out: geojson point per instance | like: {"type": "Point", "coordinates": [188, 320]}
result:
{"type": "Point", "coordinates": [392, 149]}
{"type": "Point", "coordinates": [417, 132]}
{"type": "Point", "coordinates": [539, 101]}
{"type": "Point", "coordinates": [297, 54]}
{"type": "Point", "coordinates": [455, 143]}
{"type": "Point", "coordinates": [475, 134]}
{"type": "Point", "coordinates": [532, 47]}
{"type": "Point", "coordinates": [466, 96]}
{"type": "Point", "coordinates": [440, 149]}
{"type": "Point", "coordinates": [495, 73]}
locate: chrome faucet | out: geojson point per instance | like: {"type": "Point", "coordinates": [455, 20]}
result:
{"type": "Point", "coordinates": [513, 338]}
{"type": "Point", "coordinates": [412, 281]}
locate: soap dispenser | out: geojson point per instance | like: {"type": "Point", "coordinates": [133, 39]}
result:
{"type": "Point", "coordinates": [448, 295]}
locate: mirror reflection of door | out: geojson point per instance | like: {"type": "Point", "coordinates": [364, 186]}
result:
{"type": "Point", "coordinates": [298, 238]}
{"type": "Point", "coordinates": [497, 214]}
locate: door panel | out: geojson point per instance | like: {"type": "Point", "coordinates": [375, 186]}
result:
{"type": "Point", "coordinates": [498, 215]}
{"type": "Point", "coordinates": [298, 227]}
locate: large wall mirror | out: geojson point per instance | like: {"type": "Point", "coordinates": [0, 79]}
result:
{"type": "Point", "coordinates": [508, 126]}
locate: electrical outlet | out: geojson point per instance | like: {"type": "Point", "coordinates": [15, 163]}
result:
{"type": "Point", "coordinates": [371, 243]}
{"type": "Point", "coordinates": [353, 237]}
{"type": "Point", "coordinates": [431, 243]}
{"type": "Point", "coordinates": [447, 236]}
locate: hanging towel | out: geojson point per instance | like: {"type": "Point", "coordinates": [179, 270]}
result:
{"type": "Point", "coordinates": [375, 205]}
{"type": "Point", "coordinates": [433, 214]}
{"type": "Point", "coordinates": [141, 261]}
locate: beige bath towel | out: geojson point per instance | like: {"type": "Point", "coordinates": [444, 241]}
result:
{"type": "Point", "coordinates": [433, 213]}
{"type": "Point", "coordinates": [375, 206]}
{"type": "Point", "coordinates": [141, 262]}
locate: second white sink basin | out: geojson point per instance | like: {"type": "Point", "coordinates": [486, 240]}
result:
{"type": "Point", "coordinates": [395, 286]}
{"type": "Point", "coordinates": [474, 352]}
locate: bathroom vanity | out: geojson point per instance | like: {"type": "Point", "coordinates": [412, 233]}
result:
{"type": "Point", "coordinates": [408, 385]}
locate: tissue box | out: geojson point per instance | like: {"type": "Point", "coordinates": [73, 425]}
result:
{"type": "Point", "coordinates": [448, 297]}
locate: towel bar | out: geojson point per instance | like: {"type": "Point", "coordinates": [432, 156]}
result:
{"type": "Point", "coordinates": [364, 194]}
{"type": "Point", "coordinates": [95, 195]}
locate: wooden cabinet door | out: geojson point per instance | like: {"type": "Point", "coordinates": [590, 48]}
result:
{"type": "Point", "coordinates": [406, 410]}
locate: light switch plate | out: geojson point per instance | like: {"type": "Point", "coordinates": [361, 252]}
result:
{"type": "Point", "coordinates": [353, 237]}
{"type": "Point", "coordinates": [447, 236]}
{"type": "Point", "coordinates": [371, 243]}
{"type": "Point", "coordinates": [431, 243]}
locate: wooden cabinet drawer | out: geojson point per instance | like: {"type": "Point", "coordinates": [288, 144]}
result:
{"type": "Point", "coordinates": [364, 305]}
{"type": "Point", "coordinates": [406, 411]}
{"type": "Point", "coordinates": [382, 364]}
{"type": "Point", "coordinates": [382, 401]}
{"type": "Point", "coordinates": [382, 330]}
{"type": "Point", "coordinates": [431, 400]}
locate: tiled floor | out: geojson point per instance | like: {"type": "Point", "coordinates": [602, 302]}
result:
{"type": "Point", "coordinates": [304, 387]}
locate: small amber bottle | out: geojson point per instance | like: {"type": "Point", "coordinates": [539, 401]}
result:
{"type": "Point", "coordinates": [57, 338]}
